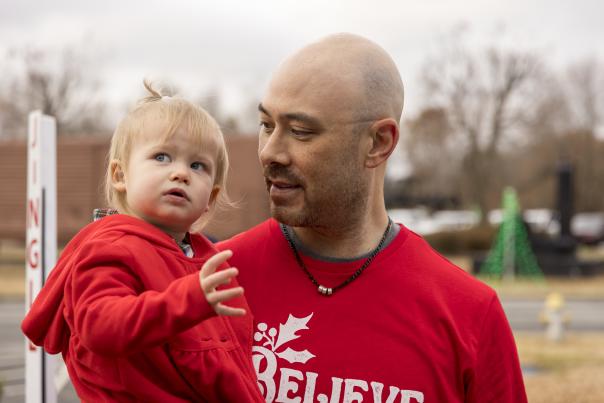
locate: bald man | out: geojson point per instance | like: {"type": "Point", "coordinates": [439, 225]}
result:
{"type": "Point", "coordinates": [348, 305]}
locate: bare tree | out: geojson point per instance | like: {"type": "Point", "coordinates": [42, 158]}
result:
{"type": "Point", "coordinates": [564, 128]}
{"type": "Point", "coordinates": [487, 95]}
{"type": "Point", "coordinates": [584, 85]}
{"type": "Point", "coordinates": [432, 153]}
{"type": "Point", "coordinates": [59, 83]}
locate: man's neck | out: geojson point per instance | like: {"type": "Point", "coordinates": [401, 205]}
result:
{"type": "Point", "coordinates": [345, 241]}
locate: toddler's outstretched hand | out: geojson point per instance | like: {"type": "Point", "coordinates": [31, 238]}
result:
{"type": "Point", "coordinates": [209, 280]}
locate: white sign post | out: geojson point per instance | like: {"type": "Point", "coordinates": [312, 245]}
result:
{"type": "Point", "coordinates": [41, 241]}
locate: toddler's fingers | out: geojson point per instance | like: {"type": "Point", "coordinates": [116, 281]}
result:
{"type": "Point", "coordinates": [224, 310]}
{"type": "Point", "coordinates": [212, 281]}
{"type": "Point", "coordinates": [214, 262]}
{"type": "Point", "coordinates": [216, 297]}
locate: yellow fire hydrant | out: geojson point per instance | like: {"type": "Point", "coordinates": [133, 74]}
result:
{"type": "Point", "coordinates": [554, 316]}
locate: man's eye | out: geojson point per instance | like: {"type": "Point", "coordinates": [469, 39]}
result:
{"type": "Point", "coordinates": [301, 132]}
{"type": "Point", "coordinates": [198, 166]}
{"type": "Point", "coordinates": [162, 157]}
{"type": "Point", "coordinates": [266, 127]}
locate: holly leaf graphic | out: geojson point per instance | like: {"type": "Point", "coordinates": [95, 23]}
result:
{"type": "Point", "coordinates": [293, 356]}
{"type": "Point", "coordinates": [287, 331]}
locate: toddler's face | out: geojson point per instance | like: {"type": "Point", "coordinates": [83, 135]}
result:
{"type": "Point", "coordinates": [169, 183]}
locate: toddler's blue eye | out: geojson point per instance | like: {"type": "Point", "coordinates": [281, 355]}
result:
{"type": "Point", "coordinates": [198, 166]}
{"type": "Point", "coordinates": [162, 157]}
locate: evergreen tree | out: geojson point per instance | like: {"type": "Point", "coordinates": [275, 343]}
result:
{"type": "Point", "coordinates": [511, 253]}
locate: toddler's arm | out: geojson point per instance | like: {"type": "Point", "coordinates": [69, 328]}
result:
{"type": "Point", "coordinates": [115, 315]}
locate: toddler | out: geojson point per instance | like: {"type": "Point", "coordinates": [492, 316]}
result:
{"type": "Point", "coordinates": [140, 305]}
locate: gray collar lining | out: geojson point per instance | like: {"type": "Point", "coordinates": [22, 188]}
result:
{"type": "Point", "coordinates": [394, 230]}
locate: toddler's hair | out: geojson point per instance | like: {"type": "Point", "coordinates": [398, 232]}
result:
{"type": "Point", "coordinates": [174, 113]}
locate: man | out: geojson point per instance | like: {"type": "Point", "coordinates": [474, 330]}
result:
{"type": "Point", "coordinates": [349, 306]}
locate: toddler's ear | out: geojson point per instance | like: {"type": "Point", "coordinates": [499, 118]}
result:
{"type": "Point", "coordinates": [117, 176]}
{"type": "Point", "coordinates": [213, 195]}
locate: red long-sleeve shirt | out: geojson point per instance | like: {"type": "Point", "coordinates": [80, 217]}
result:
{"type": "Point", "coordinates": [125, 308]}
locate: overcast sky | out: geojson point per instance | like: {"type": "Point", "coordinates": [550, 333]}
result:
{"type": "Point", "coordinates": [232, 46]}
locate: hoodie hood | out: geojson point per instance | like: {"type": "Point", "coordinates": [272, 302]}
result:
{"type": "Point", "coordinates": [45, 324]}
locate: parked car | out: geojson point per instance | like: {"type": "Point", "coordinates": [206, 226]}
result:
{"type": "Point", "coordinates": [456, 220]}
{"type": "Point", "coordinates": [424, 223]}
{"type": "Point", "coordinates": [416, 219]}
{"type": "Point", "coordinates": [539, 220]}
{"type": "Point", "coordinates": [588, 228]}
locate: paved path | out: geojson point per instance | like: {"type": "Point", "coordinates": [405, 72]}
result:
{"type": "Point", "coordinates": [585, 315]}
{"type": "Point", "coordinates": [522, 314]}
{"type": "Point", "coordinates": [11, 352]}
{"type": "Point", "coordinates": [12, 360]}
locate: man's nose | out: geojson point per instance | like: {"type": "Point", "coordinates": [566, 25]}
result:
{"type": "Point", "coordinates": [273, 148]}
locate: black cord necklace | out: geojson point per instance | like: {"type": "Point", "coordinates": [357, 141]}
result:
{"type": "Point", "coordinates": [327, 290]}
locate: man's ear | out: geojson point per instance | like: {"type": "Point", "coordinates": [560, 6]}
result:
{"type": "Point", "coordinates": [384, 135]}
{"type": "Point", "coordinates": [118, 180]}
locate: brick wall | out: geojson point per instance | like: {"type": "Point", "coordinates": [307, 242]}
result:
{"type": "Point", "coordinates": [80, 174]}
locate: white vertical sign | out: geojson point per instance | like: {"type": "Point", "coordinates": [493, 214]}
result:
{"type": "Point", "coordinates": [41, 241]}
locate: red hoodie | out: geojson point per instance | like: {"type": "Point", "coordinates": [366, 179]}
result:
{"type": "Point", "coordinates": [125, 308]}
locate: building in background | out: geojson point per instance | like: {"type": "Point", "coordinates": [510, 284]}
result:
{"type": "Point", "coordinates": [80, 175]}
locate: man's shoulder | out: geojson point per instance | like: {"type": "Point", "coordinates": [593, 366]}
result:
{"type": "Point", "coordinates": [441, 273]}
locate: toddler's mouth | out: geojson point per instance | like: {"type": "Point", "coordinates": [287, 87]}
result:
{"type": "Point", "coordinates": [177, 193]}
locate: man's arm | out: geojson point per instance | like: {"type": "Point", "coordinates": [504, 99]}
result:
{"type": "Point", "coordinates": [497, 376]}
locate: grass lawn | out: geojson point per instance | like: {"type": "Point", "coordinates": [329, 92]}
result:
{"type": "Point", "coordinates": [571, 288]}
{"type": "Point", "coordinates": [568, 371]}
{"type": "Point", "coordinates": [12, 281]}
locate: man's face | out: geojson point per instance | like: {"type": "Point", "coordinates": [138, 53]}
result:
{"type": "Point", "coordinates": [309, 148]}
